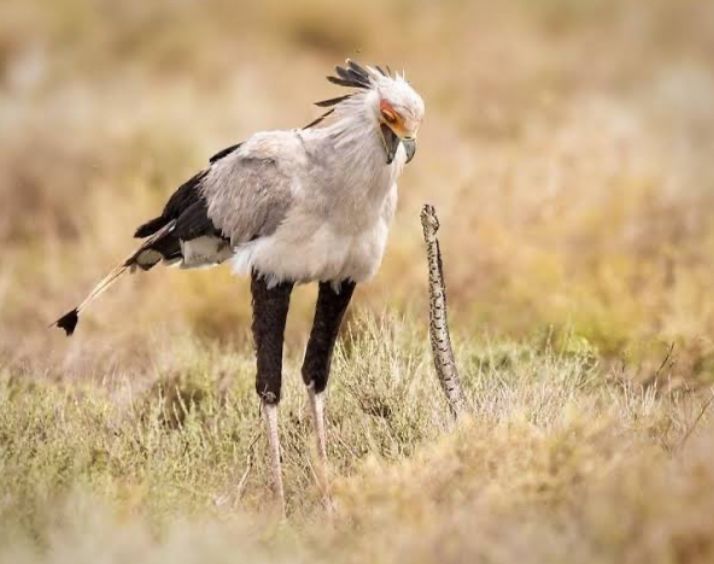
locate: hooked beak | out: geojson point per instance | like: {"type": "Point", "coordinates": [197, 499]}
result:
{"type": "Point", "coordinates": [410, 147]}
{"type": "Point", "coordinates": [391, 144]}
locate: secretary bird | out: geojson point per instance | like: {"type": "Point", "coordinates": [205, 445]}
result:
{"type": "Point", "coordinates": [293, 206]}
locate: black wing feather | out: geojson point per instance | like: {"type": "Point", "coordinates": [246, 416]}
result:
{"type": "Point", "coordinates": [185, 196]}
{"type": "Point", "coordinates": [182, 199]}
{"type": "Point", "coordinates": [193, 222]}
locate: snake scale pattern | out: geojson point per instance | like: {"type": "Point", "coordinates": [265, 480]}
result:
{"type": "Point", "coordinates": [443, 354]}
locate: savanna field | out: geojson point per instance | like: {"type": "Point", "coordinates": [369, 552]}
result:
{"type": "Point", "coordinates": [567, 147]}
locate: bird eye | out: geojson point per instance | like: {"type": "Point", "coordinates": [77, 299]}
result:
{"type": "Point", "coordinates": [389, 116]}
{"type": "Point", "coordinates": [388, 113]}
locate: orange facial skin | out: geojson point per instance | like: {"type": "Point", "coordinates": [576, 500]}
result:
{"type": "Point", "coordinates": [395, 121]}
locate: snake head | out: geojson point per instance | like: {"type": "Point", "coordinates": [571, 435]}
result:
{"type": "Point", "coordinates": [429, 221]}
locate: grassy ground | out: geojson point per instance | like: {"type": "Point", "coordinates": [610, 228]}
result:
{"type": "Point", "coordinates": [562, 460]}
{"type": "Point", "coordinates": [567, 146]}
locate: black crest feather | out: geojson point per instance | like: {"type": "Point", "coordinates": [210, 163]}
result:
{"type": "Point", "coordinates": [332, 101]}
{"type": "Point", "coordinates": [354, 76]}
{"type": "Point", "coordinates": [319, 119]}
{"type": "Point", "coordinates": [224, 153]}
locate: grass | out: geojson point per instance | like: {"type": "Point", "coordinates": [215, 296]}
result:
{"type": "Point", "coordinates": [567, 148]}
{"type": "Point", "coordinates": [560, 456]}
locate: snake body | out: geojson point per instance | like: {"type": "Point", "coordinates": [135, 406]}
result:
{"type": "Point", "coordinates": [443, 354]}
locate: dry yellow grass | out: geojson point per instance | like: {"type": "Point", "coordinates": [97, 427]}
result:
{"type": "Point", "coordinates": [567, 147]}
{"type": "Point", "coordinates": [562, 460]}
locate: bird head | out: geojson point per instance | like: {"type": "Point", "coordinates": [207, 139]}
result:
{"type": "Point", "coordinates": [401, 111]}
{"type": "Point", "coordinates": [397, 108]}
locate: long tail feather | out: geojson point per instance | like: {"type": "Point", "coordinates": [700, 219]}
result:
{"type": "Point", "coordinates": [69, 320]}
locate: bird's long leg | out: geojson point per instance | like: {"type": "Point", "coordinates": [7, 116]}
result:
{"type": "Point", "coordinates": [330, 309]}
{"type": "Point", "coordinates": [317, 410]}
{"type": "Point", "coordinates": [270, 310]}
{"type": "Point", "coordinates": [270, 413]}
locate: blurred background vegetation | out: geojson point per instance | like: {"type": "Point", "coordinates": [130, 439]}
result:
{"type": "Point", "coordinates": [567, 146]}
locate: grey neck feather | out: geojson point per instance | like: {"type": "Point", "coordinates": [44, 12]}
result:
{"type": "Point", "coordinates": [355, 148]}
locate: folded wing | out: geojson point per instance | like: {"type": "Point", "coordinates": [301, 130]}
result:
{"type": "Point", "coordinates": [238, 198]}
